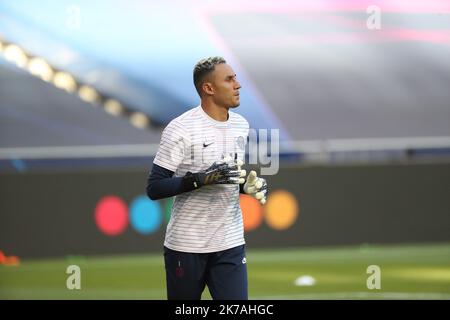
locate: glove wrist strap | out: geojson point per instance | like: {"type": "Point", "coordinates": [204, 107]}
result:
{"type": "Point", "coordinates": [191, 181]}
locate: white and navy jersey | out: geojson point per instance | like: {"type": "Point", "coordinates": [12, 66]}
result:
{"type": "Point", "coordinates": [207, 219]}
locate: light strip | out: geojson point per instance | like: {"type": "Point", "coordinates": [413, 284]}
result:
{"type": "Point", "coordinates": [148, 150]}
{"type": "Point", "coordinates": [370, 144]}
{"type": "Point", "coordinates": [77, 152]}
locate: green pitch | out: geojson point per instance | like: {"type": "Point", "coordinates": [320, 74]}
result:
{"type": "Point", "coordinates": [407, 272]}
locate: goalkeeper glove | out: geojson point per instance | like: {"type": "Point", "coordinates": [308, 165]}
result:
{"type": "Point", "coordinates": [225, 171]}
{"type": "Point", "coordinates": [256, 187]}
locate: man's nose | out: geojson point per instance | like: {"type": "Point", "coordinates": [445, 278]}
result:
{"type": "Point", "coordinates": [238, 85]}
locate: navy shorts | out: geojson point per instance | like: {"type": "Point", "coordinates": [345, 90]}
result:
{"type": "Point", "coordinates": [224, 272]}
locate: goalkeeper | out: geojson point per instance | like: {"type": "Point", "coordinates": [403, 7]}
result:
{"type": "Point", "coordinates": [199, 161]}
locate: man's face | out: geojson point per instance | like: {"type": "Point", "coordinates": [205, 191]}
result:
{"type": "Point", "coordinates": [225, 85]}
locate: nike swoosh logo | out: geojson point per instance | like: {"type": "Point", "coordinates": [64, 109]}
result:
{"type": "Point", "coordinates": [206, 145]}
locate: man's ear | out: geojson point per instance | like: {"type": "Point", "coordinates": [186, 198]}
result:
{"type": "Point", "coordinates": [208, 88]}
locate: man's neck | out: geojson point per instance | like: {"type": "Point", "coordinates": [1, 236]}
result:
{"type": "Point", "coordinates": [214, 111]}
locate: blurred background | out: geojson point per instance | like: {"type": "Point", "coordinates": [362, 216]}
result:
{"type": "Point", "coordinates": [359, 91]}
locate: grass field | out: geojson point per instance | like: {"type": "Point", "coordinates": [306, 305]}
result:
{"type": "Point", "coordinates": [407, 272]}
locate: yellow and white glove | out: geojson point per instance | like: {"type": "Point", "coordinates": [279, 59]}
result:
{"type": "Point", "coordinates": [256, 187]}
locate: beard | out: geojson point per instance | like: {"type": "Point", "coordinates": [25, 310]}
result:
{"type": "Point", "coordinates": [227, 102]}
{"type": "Point", "coordinates": [235, 104]}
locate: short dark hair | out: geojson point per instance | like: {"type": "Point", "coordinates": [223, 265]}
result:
{"type": "Point", "coordinates": [204, 67]}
